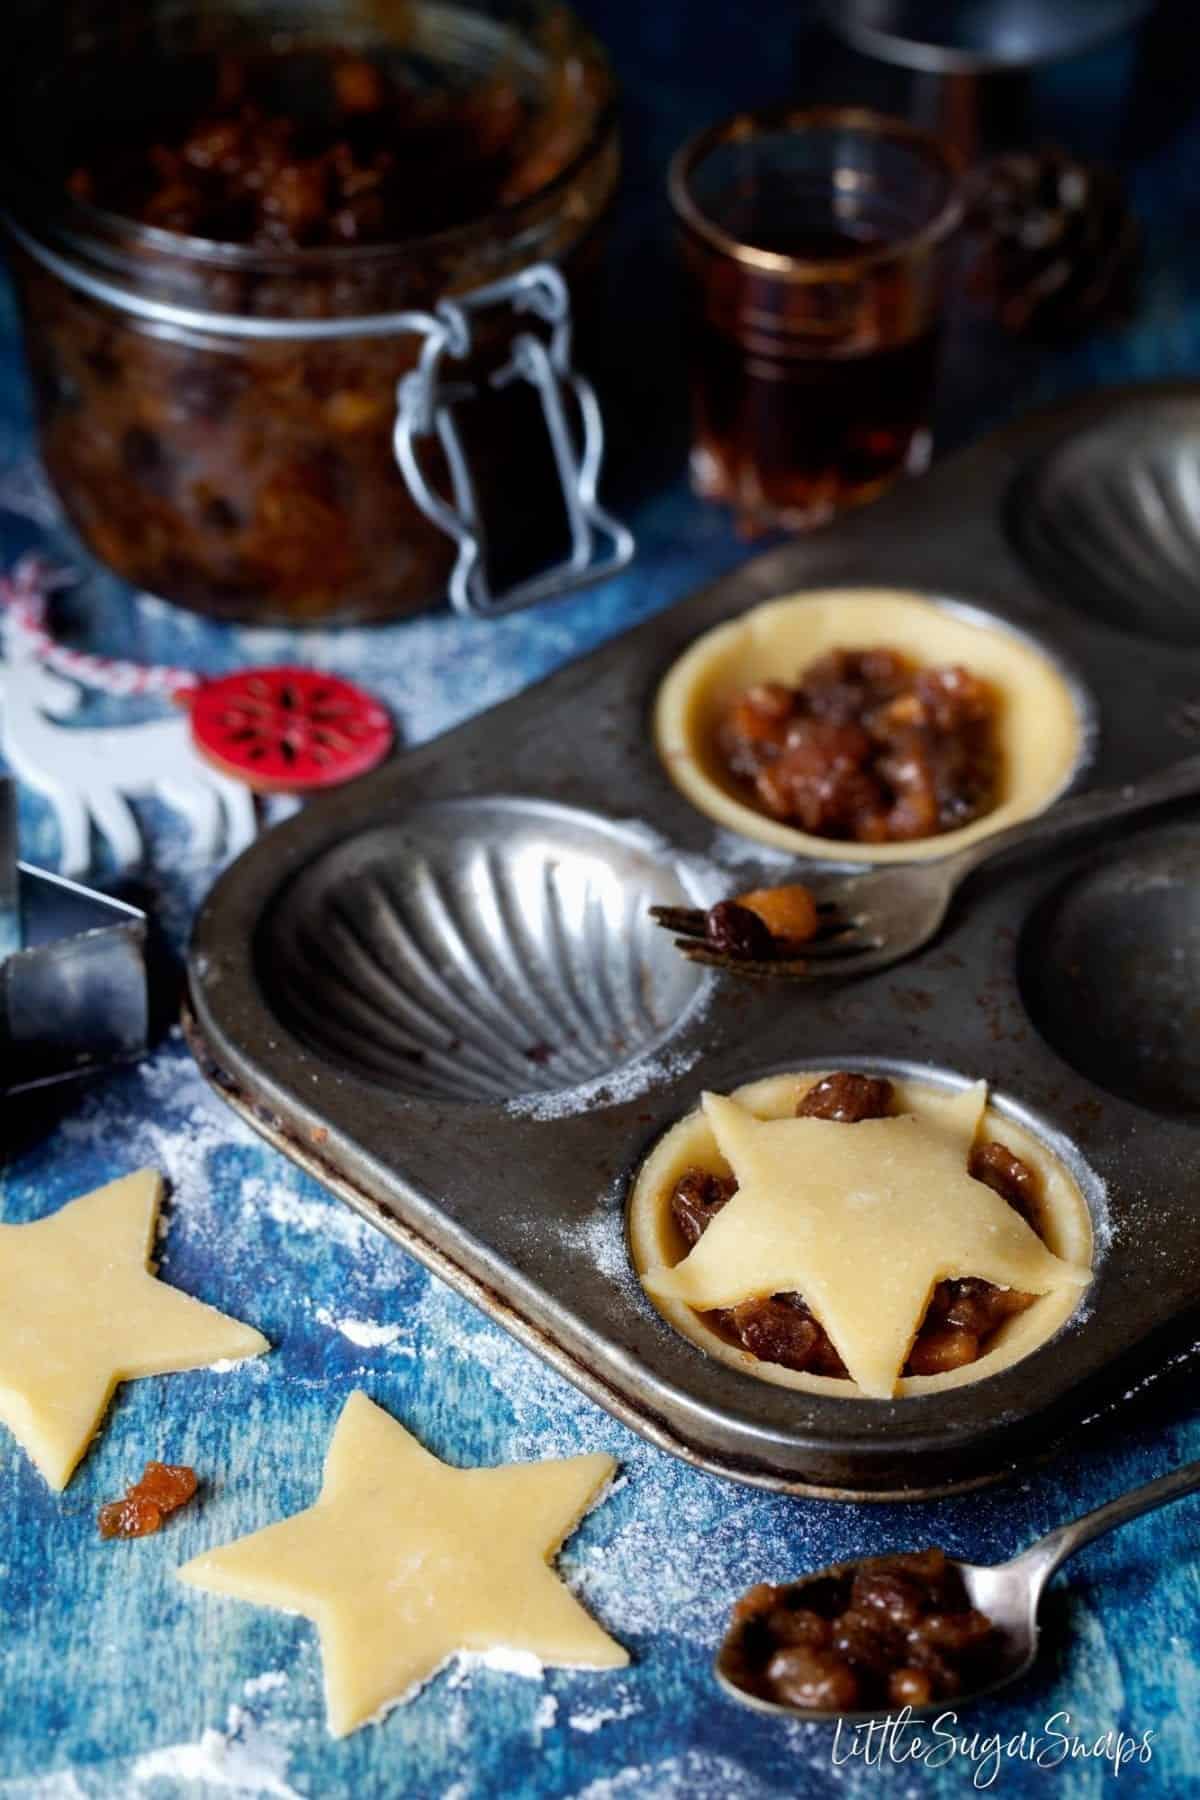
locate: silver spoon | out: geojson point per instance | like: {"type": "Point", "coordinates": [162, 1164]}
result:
{"type": "Point", "coordinates": [1009, 1593]}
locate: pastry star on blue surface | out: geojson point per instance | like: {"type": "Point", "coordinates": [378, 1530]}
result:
{"type": "Point", "coordinates": [81, 1310]}
{"type": "Point", "coordinates": [402, 1562]}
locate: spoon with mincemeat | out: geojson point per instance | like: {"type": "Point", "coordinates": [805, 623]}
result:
{"type": "Point", "coordinates": [920, 1630]}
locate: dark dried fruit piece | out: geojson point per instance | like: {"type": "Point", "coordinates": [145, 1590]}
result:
{"type": "Point", "coordinates": [847, 1098]}
{"type": "Point", "coordinates": [939, 1349]}
{"type": "Point", "coordinates": [1007, 1176]}
{"type": "Point", "coordinates": [897, 1631]}
{"type": "Point", "coordinates": [736, 931]}
{"type": "Point", "coordinates": [167, 1485]}
{"type": "Point", "coordinates": [867, 747]}
{"type": "Point", "coordinates": [161, 1490]}
{"type": "Point", "coordinates": [697, 1199]}
{"type": "Point", "coordinates": [815, 1680]}
{"type": "Point", "coordinates": [129, 1518]}
{"type": "Point", "coordinates": [910, 1687]}
{"type": "Point", "coordinates": [776, 1331]}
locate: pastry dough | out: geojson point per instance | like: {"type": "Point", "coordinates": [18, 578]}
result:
{"type": "Point", "coordinates": [403, 1562]}
{"type": "Point", "coordinates": [862, 1220]}
{"type": "Point", "coordinates": [1040, 728]}
{"type": "Point", "coordinates": [81, 1311]}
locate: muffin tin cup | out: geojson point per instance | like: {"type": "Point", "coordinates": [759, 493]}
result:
{"type": "Point", "coordinates": [475, 910]}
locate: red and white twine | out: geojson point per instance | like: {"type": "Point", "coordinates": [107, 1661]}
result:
{"type": "Point", "coordinates": [25, 600]}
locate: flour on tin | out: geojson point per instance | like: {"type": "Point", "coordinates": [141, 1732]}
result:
{"type": "Point", "coordinates": [615, 1089]}
{"type": "Point", "coordinates": [730, 847]}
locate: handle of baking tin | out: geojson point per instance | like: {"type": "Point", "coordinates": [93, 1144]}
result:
{"type": "Point", "coordinates": [600, 544]}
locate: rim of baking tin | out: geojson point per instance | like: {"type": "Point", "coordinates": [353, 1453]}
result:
{"type": "Point", "coordinates": [74, 216]}
{"type": "Point", "coordinates": [743, 126]}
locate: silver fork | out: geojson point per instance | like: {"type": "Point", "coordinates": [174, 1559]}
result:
{"type": "Point", "coordinates": [873, 917]}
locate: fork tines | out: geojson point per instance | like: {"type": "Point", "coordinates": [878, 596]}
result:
{"type": "Point", "coordinates": [838, 938]}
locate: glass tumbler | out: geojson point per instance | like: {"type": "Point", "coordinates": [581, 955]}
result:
{"type": "Point", "coordinates": [813, 247]}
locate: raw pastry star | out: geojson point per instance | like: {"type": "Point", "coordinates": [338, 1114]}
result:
{"type": "Point", "coordinates": [402, 1562]}
{"type": "Point", "coordinates": [81, 1311]}
{"type": "Point", "coordinates": [862, 1220]}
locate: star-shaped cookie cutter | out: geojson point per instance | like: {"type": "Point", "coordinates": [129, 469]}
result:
{"type": "Point", "coordinates": [73, 980]}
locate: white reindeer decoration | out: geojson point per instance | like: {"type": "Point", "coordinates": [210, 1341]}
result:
{"type": "Point", "coordinates": [86, 771]}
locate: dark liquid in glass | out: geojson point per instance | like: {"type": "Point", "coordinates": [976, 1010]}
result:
{"type": "Point", "coordinates": [812, 399]}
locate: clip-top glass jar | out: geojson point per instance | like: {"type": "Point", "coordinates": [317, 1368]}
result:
{"type": "Point", "coordinates": [297, 282]}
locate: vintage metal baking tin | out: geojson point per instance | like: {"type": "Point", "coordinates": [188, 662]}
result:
{"type": "Point", "coordinates": [378, 981]}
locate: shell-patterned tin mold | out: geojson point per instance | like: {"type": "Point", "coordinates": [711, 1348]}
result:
{"type": "Point", "coordinates": [438, 989]}
{"type": "Point", "coordinates": [482, 950]}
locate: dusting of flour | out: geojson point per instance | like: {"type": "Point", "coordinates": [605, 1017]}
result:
{"type": "Point", "coordinates": [243, 1759]}
{"type": "Point", "coordinates": [615, 1089]}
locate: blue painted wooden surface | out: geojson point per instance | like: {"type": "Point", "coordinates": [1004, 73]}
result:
{"type": "Point", "coordinates": [117, 1682]}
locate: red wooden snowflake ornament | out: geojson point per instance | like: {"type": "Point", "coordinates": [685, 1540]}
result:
{"type": "Point", "coordinates": [288, 730]}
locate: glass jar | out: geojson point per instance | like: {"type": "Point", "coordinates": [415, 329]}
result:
{"type": "Point", "coordinates": [219, 418]}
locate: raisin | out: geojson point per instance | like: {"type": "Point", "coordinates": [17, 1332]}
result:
{"type": "Point", "coordinates": [1006, 1174]}
{"type": "Point", "coordinates": [847, 1098]}
{"type": "Point", "coordinates": [776, 1331]}
{"type": "Point", "coordinates": [910, 1687]}
{"type": "Point", "coordinates": [697, 1199]}
{"type": "Point", "coordinates": [890, 1593]}
{"type": "Point", "coordinates": [736, 931]}
{"type": "Point", "coordinates": [814, 1680]}
{"type": "Point", "coordinates": [168, 1485]}
{"type": "Point", "coordinates": [940, 1349]}
{"type": "Point", "coordinates": [755, 728]}
{"type": "Point", "coordinates": [944, 1677]}
{"type": "Point", "coordinates": [755, 1602]}
{"type": "Point", "coordinates": [129, 1518]}
{"type": "Point", "coordinates": [867, 748]}
{"type": "Point", "coordinates": [798, 1625]}
{"type": "Point", "coordinates": [162, 1488]}
{"type": "Point", "coordinates": [820, 780]}
{"type": "Point", "coordinates": [867, 1642]}
{"type": "Point", "coordinates": [144, 459]}
{"type": "Point", "coordinates": [358, 85]}
{"type": "Point", "coordinates": [977, 1306]}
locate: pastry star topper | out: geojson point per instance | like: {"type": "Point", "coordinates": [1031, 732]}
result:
{"type": "Point", "coordinates": [862, 1220]}
{"type": "Point", "coordinates": [81, 1311]}
{"type": "Point", "coordinates": [402, 1562]}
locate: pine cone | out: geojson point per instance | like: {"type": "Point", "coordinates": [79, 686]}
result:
{"type": "Point", "coordinates": [1059, 246]}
